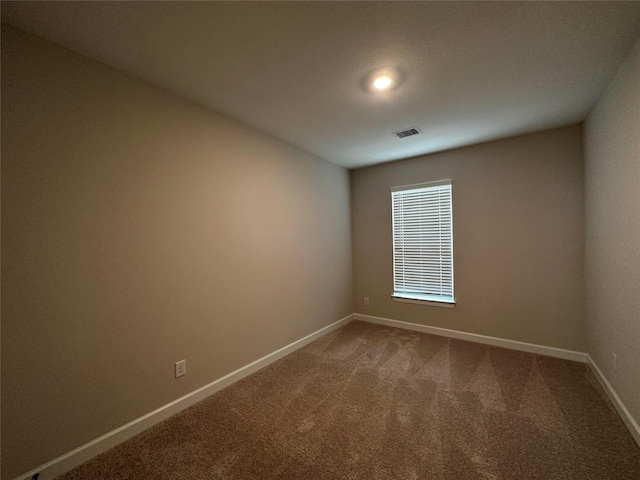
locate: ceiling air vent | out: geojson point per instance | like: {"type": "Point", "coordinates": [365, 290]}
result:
{"type": "Point", "coordinates": [407, 132]}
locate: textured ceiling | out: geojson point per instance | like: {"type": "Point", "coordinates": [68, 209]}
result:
{"type": "Point", "coordinates": [473, 71]}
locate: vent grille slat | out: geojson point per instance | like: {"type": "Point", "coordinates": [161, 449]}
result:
{"type": "Point", "coordinates": [408, 132]}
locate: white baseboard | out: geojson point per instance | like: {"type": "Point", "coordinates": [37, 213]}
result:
{"type": "Point", "coordinates": [628, 420]}
{"type": "Point", "coordinates": [76, 457]}
{"type": "Point", "coordinates": [472, 337]}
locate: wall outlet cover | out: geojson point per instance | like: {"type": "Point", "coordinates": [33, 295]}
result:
{"type": "Point", "coordinates": [181, 368]}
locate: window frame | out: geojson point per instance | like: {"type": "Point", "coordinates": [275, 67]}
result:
{"type": "Point", "coordinates": [418, 298]}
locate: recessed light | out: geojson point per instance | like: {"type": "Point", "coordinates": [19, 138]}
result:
{"type": "Point", "coordinates": [383, 80]}
{"type": "Point", "coordinates": [382, 83]}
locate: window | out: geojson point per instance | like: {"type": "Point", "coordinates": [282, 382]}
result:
{"type": "Point", "coordinates": [423, 244]}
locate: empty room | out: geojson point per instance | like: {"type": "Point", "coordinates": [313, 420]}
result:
{"type": "Point", "coordinates": [320, 240]}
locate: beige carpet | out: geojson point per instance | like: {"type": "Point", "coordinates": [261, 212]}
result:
{"type": "Point", "coordinates": [372, 402]}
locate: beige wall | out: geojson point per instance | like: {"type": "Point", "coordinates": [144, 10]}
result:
{"type": "Point", "coordinates": [612, 267]}
{"type": "Point", "coordinates": [518, 238]}
{"type": "Point", "coordinates": [139, 229]}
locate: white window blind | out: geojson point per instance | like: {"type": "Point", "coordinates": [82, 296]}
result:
{"type": "Point", "coordinates": [423, 242]}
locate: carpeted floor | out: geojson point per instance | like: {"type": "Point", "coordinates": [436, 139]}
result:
{"type": "Point", "coordinates": [373, 402]}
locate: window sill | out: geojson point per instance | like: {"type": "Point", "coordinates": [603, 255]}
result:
{"type": "Point", "coordinates": [423, 301]}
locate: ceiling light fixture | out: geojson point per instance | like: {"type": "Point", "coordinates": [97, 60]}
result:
{"type": "Point", "coordinates": [383, 80]}
{"type": "Point", "coordinates": [382, 83]}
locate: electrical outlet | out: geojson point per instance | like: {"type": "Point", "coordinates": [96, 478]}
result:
{"type": "Point", "coordinates": [615, 362]}
{"type": "Point", "coordinates": [181, 368]}
{"type": "Point", "coordinates": [366, 300]}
